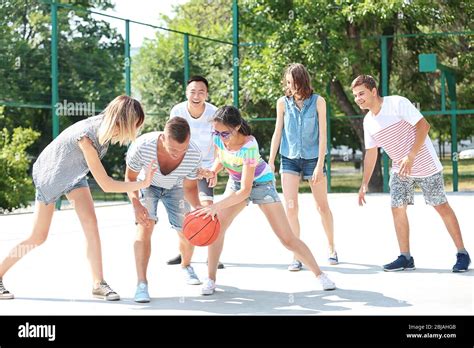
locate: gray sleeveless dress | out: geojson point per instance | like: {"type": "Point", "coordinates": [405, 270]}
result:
{"type": "Point", "coordinates": [61, 166]}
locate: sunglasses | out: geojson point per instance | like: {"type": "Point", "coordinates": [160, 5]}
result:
{"type": "Point", "coordinates": [223, 135]}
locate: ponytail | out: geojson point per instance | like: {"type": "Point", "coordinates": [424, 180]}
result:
{"type": "Point", "coordinates": [245, 128]}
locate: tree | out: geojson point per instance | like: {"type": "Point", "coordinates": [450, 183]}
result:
{"type": "Point", "coordinates": [158, 68]}
{"type": "Point", "coordinates": [91, 56]}
{"type": "Point", "coordinates": [338, 41]}
{"type": "Point", "coordinates": [15, 183]}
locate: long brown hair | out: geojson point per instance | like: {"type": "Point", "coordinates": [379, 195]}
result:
{"type": "Point", "coordinates": [301, 81]}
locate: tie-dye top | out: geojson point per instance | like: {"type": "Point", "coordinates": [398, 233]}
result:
{"type": "Point", "coordinates": [234, 161]}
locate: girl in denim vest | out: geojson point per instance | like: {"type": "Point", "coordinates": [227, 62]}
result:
{"type": "Point", "coordinates": [300, 133]}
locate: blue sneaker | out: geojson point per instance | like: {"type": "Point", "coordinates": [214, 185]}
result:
{"type": "Point", "coordinates": [400, 264]}
{"type": "Point", "coordinates": [190, 276]}
{"type": "Point", "coordinates": [462, 263]}
{"type": "Point", "coordinates": [141, 295]}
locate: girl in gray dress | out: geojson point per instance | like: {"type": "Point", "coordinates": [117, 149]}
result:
{"type": "Point", "coordinates": [62, 168]}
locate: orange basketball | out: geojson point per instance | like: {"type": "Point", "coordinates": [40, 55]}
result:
{"type": "Point", "coordinates": [199, 231]}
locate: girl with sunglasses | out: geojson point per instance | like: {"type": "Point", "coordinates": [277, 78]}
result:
{"type": "Point", "coordinates": [250, 179]}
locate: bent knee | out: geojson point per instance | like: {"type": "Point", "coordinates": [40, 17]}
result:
{"type": "Point", "coordinates": [289, 242]}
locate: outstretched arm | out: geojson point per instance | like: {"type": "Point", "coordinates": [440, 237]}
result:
{"type": "Point", "coordinates": [369, 165]}
{"type": "Point", "coordinates": [141, 213]}
{"type": "Point", "coordinates": [318, 171]}
{"type": "Point", "coordinates": [246, 183]}
{"type": "Point", "coordinates": [106, 183]}
{"type": "Point", "coordinates": [276, 138]}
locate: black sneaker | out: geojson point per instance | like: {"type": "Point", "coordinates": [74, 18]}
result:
{"type": "Point", "coordinates": [175, 260]}
{"type": "Point", "coordinates": [462, 263]}
{"type": "Point", "coordinates": [4, 293]}
{"type": "Point", "coordinates": [400, 264]}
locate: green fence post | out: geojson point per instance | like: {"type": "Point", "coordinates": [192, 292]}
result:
{"type": "Point", "coordinates": [128, 61]}
{"type": "Point", "coordinates": [54, 67]}
{"type": "Point", "coordinates": [235, 50]}
{"type": "Point", "coordinates": [451, 79]}
{"type": "Point", "coordinates": [186, 61]}
{"type": "Point", "coordinates": [54, 75]}
{"type": "Point", "coordinates": [329, 142]}
{"type": "Point", "coordinates": [384, 82]}
{"type": "Point", "coordinates": [443, 91]}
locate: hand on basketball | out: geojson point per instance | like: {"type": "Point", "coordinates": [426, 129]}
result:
{"type": "Point", "coordinates": [362, 191]}
{"type": "Point", "coordinates": [405, 165]}
{"type": "Point", "coordinates": [209, 210]}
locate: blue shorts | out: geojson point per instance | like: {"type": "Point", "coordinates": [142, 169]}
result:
{"type": "Point", "coordinates": [300, 166]}
{"type": "Point", "coordinates": [262, 192]}
{"type": "Point", "coordinates": [40, 197]}
{"type": "Point", "coordinates": [173, 200]}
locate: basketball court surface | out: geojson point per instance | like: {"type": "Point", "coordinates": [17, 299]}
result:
{"type": "Point", "coordinates": [54, 279]}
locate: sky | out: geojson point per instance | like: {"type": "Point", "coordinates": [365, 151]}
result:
{"type": "Point", "coordinates": [146, 11]}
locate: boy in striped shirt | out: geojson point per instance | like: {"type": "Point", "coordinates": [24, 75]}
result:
{"type": "Point", "coordinates": [394, 124]}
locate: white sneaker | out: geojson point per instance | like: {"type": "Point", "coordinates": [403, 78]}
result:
{"type": "Point", "coordinates": [326, 283]}
{"type": "Point", "coordinates": [209, 287]}
{"type": "Point", "coordinates": [4, 293]}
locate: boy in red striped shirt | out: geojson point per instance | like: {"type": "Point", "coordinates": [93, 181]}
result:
{"type": "Point", "coordinates": [394, 124]}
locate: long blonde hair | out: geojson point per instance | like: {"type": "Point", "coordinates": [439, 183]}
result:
{"type": "Point", "coordinates": [122, 119]}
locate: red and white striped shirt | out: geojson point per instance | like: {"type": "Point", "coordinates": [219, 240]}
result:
{"type": "Point", "coordinates": [393, 129]}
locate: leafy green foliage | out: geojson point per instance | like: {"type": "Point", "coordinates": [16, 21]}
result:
{"type": "Point", "coordinates": [15, 182]}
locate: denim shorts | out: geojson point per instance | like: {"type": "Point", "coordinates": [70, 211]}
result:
{"type": "Point", "coordinates": [206, 193]}
{"type": "Point", "coordinates": [40, 197]}
{"type": "Point", "coordinates": [173, 200]}
{"type": "Point", "coordinates": [262, 192]}
{"type": "Point", "coordinates": [300, 166]}
{"type": "Point", "coordinates": [402, 189]}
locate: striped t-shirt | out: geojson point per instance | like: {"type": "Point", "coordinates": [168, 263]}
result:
{"type": "Point", "coordinates": [393, 129]}
{"type": "Point", "coordinates": [144, 150]}
{"type": "Point", "coordinates": [234, 161]}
